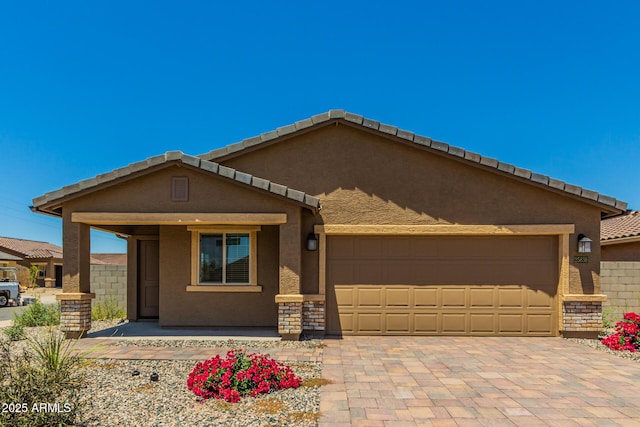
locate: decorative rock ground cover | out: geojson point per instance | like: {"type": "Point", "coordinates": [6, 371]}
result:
{"type": "Point", "coordinates": [119, 398]}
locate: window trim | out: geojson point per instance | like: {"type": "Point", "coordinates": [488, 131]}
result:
{"type": "Point", "coordinates": [197, 231]}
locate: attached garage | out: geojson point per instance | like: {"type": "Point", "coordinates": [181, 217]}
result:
{"type": "Point", "coordinates": [442, 285]}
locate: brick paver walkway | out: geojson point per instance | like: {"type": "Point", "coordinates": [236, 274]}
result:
{"type": "Point", "coordinates": [456, 381]}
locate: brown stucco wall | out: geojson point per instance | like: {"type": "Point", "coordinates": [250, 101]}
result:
{"type": "Point", "coordinates": [621, 252]}
{"type": "Point", "coordinates": [152, 193]}
{"type": "Point", "coordinates": [363, 178]}
{"type": "Point", "coordinates": [215, 309]}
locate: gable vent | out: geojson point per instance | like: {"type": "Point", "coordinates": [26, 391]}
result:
{"type": "Point", "coordinates": [180, 189]}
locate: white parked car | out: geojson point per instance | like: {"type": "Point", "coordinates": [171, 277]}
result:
{"type": "Point", "coordinates": [9, 286]}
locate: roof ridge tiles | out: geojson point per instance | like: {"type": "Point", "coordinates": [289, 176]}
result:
{"type": "Point", "coordinates": [339, 114]}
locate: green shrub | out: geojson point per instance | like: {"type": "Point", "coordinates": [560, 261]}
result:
{"type": "Point", "coordinates": [14, 332]}
{"type": "Point", "coordinates": [107, 309]}
{"type": "Point", "coordinates": [44, 382]}
{"type": "Point", "coordinates": [608, 314]}
{"type": "Point", "coordinates": [38, 314]}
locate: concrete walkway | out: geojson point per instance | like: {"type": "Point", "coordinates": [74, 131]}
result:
{"type": "Point", "coordinates": [455, 381]}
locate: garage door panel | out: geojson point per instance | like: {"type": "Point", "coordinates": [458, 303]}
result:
{"type": "Point", "coordinates": [342, 248]}
{"type": "Point", "coordinates": [345, 296]}
{"type": "Point", "coordinates": [435, 285]}
{"type": "Point", "coordinates": [454, 323]}
{"type": "Point", "coordinates": [369, 297]}
{"type": "Point", "coordinates": [425, 297]}
{"type": "Point", "coordinates": [453, 297]}
{"type": "Point", "coordinates": [482, 323]}
{"type": "Point", "coordinates": [398, 297]}
{"type": "Point", "coordinates": [539, 299]}
{"type": "Point", "coordinates": [398, 248]}
{"type": "Point", "coordinates": [539, 323]}
{"type": "Point", "coordinates": [482, 297]}
{"type": "Point", "coordinates": [510, 297]}
{"type": "Point", "coordinates": [425, 323]}
{"type": "Point", "coordinates": [398, 322]}
{"type": "Point", "coordinates": [369, 272]}
{"type": "Point", "coordinates": [369, 247]}
{"type": "Point", "coordinates": [402, 271]}
{"type": "Point", "coordinates": [370, 322]}
{"type": "Point", "coordinates": [343, 271]}
{"type": "Point", "coordinates": [468, 272]}
{"type": "Point", "coordinates": [511, 323]}
{"type": "Point", "coordinates": [347, 322]}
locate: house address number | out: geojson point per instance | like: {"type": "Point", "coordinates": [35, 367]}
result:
{"type": "Point", "coordinates": [580, 259]}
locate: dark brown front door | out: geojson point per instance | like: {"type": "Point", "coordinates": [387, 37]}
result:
{"type": "Point", "coordinates": [58, 271]}
{"type": "Point", "coordinates": [148, 278]}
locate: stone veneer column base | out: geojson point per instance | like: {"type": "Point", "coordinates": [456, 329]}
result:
{"type": "Point", "coordinates": [582, 319]}
{"type": "Point", "coordinates": [313, 317]}
{"type": "Point", "coordinates": [75, 315]}
{"type": "Point", "coordinates": [290, 320]}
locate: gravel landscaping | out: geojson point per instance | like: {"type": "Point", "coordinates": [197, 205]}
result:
{"type": "Point", "coordinates": [117, 398]}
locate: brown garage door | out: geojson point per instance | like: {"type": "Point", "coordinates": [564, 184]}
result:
{"type": "Point", "coordinates": [442, 285]}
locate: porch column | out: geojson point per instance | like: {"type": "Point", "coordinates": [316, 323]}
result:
{"type": "Point", "coordinates": [50, 275]}
{"type": "Point", "coordinates": [76, 296]}
{"type": "Point", "coordinates": [289, 299]}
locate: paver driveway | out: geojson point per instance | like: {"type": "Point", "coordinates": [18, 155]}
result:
{"type": "Point", "coordinates": [451, 381]}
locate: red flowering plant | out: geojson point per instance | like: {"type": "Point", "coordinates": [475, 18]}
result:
{"type": "Point", "coordinates": [626, 335]}
{"type": "Point", "coordinates": [240, 374]}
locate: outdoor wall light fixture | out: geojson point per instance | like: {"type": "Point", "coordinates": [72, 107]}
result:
{"type": "Point", "coordinates": [312, 242]}
{"type": "Point", "coordinates": [584, 244]}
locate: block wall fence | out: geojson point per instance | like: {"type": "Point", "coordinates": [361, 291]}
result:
{"type": "Point", "coordinates": [620, 281]}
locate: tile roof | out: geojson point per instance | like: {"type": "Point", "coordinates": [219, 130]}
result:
{"type": "Point", "coordinates": [109, 259]}
{"type": "Point", "coordinates": [355, 119]}
{"type": "Point", "coordinates": [297, 196]}
{"type": "Point", "coordinates": [620, 227]}
{"type": "Point", "coordinates": [30, 249]}
{"type": "Point", "coordinates": [8, 257]}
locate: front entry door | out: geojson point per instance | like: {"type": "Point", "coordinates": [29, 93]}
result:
{"type": "Point", "coordinates": [148, 278]}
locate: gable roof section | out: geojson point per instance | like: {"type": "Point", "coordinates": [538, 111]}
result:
{"type": "Point", "coordinates": [47, 203]}
{"type": "Point", "coordinates": [610, 204]}
{"type": "Point", "coordinates": [8, 257]}
{"type": "Point", "coordinates": [30, 249]}
{"type": "Point", "coordinates": [620, 228]}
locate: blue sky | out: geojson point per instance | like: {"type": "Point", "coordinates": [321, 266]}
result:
{"type": "Point", "coordinates": [87, 87]}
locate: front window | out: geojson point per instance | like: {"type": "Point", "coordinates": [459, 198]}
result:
{"type": "Point", "coordinates": [225, 258]}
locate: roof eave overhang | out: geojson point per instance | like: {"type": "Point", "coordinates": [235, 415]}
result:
{"type": "Point", "coordinates": [51, 203]}
{"type": "Point", "coordinates": [620, 240]}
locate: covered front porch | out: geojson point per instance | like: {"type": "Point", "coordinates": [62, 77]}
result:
{"type": "Point", "coordinates": [169, 280]}
{"type": "Point", "coordinates": [208, 246]}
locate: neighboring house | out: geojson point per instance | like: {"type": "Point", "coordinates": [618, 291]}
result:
{"type": "Point", "coordinates": [46, 256]}
{"type": "Point", "coordinates": [620, 267]}
{"type": "Point", "coordinates": [108, 271]}
{"type": "Point", "coordinates": [339, 224]}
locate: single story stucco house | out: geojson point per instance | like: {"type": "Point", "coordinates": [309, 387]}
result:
{"type": "Point", "coordinates": [339, 224]}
